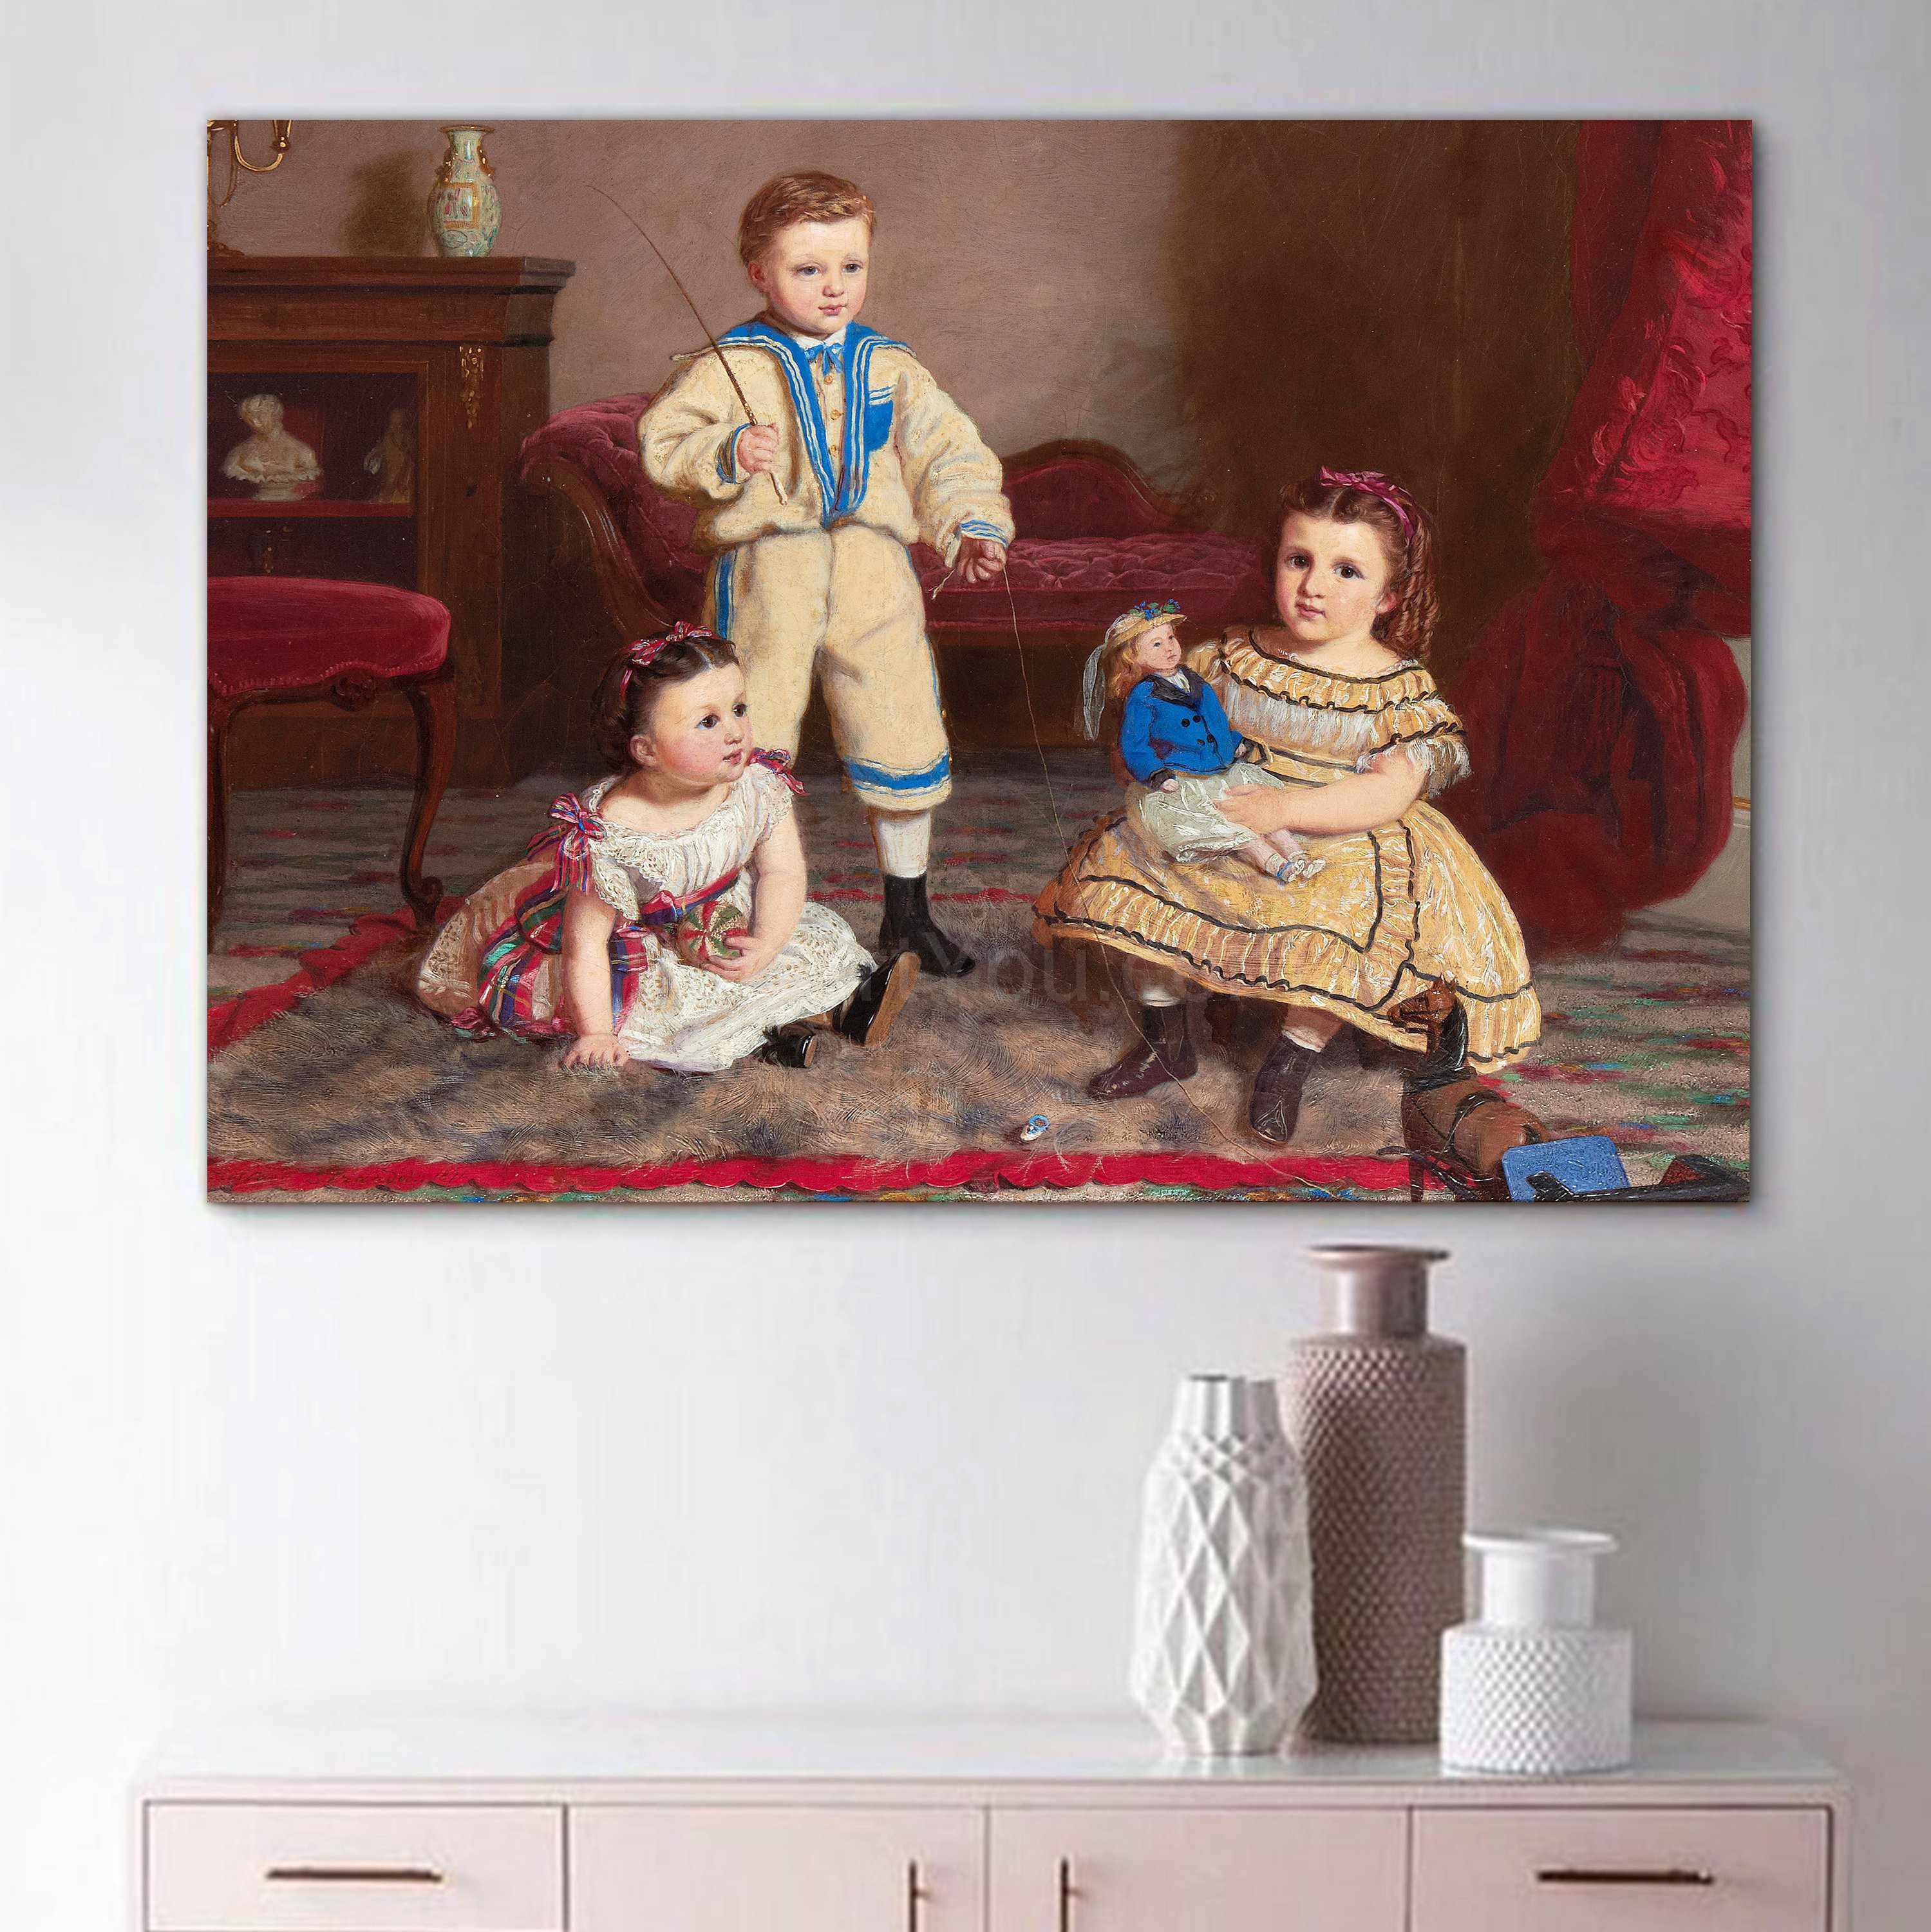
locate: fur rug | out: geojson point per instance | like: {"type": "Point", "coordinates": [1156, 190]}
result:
{"type": "Point", "coordinates": [355, 1092]}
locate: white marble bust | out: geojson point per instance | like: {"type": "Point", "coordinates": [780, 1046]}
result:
{"type": "Point", "coordinates": [280, 466]}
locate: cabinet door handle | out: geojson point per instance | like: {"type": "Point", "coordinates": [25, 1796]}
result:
{"type": "Point", "coordinates": [1068, 1893]}
{"type": "Point", "coordinates": [352, 1875]}
{"type": "Point", "coordinates": [915, 1896]}
{"type": "Point", "coordinates": [1626, 1875]}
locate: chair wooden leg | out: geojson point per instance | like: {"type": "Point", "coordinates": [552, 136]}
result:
{"type": "Point", "coordinates": [219, 712]}
{"type": "Point", "coordinates": [434, 701]}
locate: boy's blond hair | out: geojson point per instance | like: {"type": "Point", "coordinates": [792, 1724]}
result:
{"type": "Point", "coordinates": [785, 200]}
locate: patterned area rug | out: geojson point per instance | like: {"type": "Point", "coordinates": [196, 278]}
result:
{"type": "Point", "coordinates": [326, 1082]}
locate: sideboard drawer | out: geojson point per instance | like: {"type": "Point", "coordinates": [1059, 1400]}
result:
{"type": "Point", "coordinates": [1635, 1869]}
{"type": "Point", "coordinates": [1193, 1869]}
{"type": "Point", "coordinates": [215, 1867]}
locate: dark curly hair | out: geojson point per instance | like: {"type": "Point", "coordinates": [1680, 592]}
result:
{"type": "Point", "coordinates": [640, 674]}
{"type": "Point", "coordinates": [1408, 629]}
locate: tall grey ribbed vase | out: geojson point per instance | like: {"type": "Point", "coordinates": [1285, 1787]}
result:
{"type": "Point", "coordinates": [1376, 1410]}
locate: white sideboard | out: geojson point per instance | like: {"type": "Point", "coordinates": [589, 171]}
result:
{"type": "Point", "coordinates": [776, 1825]}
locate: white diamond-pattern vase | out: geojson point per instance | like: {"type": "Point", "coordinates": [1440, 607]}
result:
{"type": "Point", "coordinates": [1223, 1656]}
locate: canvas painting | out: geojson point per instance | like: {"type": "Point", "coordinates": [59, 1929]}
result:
{"type": "Point", "coordinates": [1025, 661]}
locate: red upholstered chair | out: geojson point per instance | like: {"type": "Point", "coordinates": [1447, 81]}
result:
{"type": "Point", "coordinates": [1093, 536]}
{"type": "Point", "coordinates": [281, 640]}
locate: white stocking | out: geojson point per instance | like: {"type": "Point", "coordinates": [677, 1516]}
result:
{"type": "Point", "coordinates": [1310, 1027]}
{"type": "Point", "coordinates": [905, 842]}
{"type": "Point", "coordinates": [1154, 986]}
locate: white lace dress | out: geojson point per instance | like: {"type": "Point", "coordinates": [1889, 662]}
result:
{"type": "Point", "coordinates": [683, 1017]}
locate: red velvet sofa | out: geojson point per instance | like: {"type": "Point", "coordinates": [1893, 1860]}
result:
{"type": "Point", "coordinates": [1094, 537]}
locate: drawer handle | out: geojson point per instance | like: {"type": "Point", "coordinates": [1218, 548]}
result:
{"type": "Point", "coordinates": [1590, 1875]}
{"type": "Point", "coordinates": [352, 1875]}
{"type": "Point", "coordinates": [1068, 1893]}
{"type": "Point", "coordinates": [915, 1895]}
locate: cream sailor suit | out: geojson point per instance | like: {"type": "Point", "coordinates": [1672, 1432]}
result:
{"type": "Point", "coordinates": [873, 457]}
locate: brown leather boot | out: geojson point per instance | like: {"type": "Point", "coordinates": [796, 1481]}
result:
{"type": "Point", "coordinates": [1162, 1050]}
{"type": "Point", "coordinates": [1274, 1104]}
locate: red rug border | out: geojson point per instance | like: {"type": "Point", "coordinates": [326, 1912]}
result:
{"type": "Point", "coordinates": [843, 1175]}
{"type": "Point", "coordinates": [232, 1018]}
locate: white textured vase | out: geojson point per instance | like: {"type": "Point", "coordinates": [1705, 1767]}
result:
{"type": "Point", "coordinates": [1223, 1653]}
{"type": "Point", "coordinates": [1534, 1686]}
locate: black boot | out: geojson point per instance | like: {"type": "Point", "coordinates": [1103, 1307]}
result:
{"type": "Point", "coordinates": [1162, 1051]}
{"type": "Point", "coordinates": [909, 927]}
{"type": "Point", "coordinates": [1274, 1104]}
{"type": "Point", "coordinates": [796, 1044]}
{"type": "Point", "coordinates": [867, 1016]}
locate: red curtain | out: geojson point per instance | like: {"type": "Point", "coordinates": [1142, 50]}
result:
{"type": "Point", "coordinates": [1603, 707]}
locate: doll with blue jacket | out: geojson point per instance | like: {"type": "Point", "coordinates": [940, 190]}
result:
{"type": "Point", "coordinates": [1178, 746]}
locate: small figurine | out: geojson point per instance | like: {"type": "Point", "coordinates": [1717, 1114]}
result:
{"type": "Point", "coordinates": [392, 462]}
{"type": "Point", "coordinates": [281, 466]}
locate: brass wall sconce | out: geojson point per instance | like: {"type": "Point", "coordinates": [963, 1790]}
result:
{"type": "Point", "coordinates": [229, 134]}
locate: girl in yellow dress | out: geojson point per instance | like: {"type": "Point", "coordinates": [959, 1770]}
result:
{"type": "Point", "coordinates": [1336, 701]}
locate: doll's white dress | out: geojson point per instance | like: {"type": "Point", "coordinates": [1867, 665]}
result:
{"type": "Point", "coordinates": [684, 1018]}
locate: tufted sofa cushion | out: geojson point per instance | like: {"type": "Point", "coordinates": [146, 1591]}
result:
{"type": "Point", "coordinates": [1088, 545]}
{"type": "Point", "coordinates": [1216, 580]}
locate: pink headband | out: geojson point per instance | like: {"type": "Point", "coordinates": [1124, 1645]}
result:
{"type": "Point", "coordinates": [644, 652]}
{"type": "Point", "coordinates": [1373, 484]}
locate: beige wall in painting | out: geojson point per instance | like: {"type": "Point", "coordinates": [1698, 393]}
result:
{"type": "Point", "coordinates": [1025, 261]}
{"type": "Point", "coordinates": [1229, 302]}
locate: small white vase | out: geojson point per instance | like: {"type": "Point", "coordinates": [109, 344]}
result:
{"type": "Point", "coordinates": [1534, 1686]}
{"type": "Point", "coordinates": [465, 210]}
{"type": "Point", "coordinates": [1223, 1654]}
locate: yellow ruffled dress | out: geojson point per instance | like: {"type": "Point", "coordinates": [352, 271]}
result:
{"type": "Point", "coordinates": [1398, 909]}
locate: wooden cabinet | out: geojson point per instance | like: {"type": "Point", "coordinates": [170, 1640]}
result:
{"type": "Point", "coordinates": [657, 1826]}
{"type": "Point", "coordinates": [413, 381]}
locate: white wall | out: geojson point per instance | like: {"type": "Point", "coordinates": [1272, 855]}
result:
{"type": "Point", "coordinates": [875, 1456]}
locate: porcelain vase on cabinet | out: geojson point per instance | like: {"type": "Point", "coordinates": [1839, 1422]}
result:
{"type": "Point", "coordinates": [465, 210]}
{"type": "Point", "coordinates": [1224, 1641]}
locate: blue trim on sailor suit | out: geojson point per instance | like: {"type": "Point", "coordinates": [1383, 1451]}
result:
{"type": "Point", "coordinates": [839, 498]}
{"type": "Point", "coordinates": [880, 779]}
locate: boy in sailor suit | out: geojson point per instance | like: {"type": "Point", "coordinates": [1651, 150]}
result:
{"type": "Point", "coordinates": [855, 454]}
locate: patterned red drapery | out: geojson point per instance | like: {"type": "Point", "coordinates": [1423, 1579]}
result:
{"type": "Point", "coordinates": [1603, 707]}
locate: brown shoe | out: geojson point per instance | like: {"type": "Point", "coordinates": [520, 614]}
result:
{"type": "Point", "coordinates": [1274, 1104]}
{"type": "Point", "coordinates": [1162, 1051]}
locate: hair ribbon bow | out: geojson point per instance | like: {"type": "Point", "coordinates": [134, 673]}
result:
{"type": "Point", "coordinates": [1372, 483]}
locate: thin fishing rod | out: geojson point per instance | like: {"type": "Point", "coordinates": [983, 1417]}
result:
{"type": "Point", "coordinates": [677, 282]}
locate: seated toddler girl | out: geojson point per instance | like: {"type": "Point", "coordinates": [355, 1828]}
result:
{"type": "Point", "coordinates": [662, 916]}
